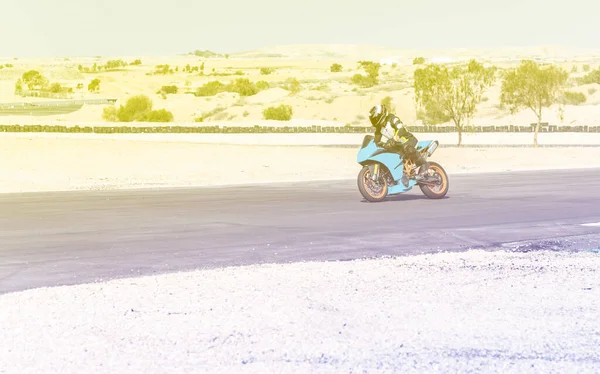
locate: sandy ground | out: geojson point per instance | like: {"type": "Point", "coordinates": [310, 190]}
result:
{"type": "Point", "coordinates": [474, 311]}
{"type": "Point", "coordinates": [62, 163]}
{"type": "Point", "coordinates": [323, 95]}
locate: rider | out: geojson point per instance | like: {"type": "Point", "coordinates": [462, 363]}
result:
{"type": "Point", "coordinates": [388, 126]}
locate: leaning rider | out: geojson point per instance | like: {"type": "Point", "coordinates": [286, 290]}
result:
{"type": "Point", "coordinates": [398, 139]}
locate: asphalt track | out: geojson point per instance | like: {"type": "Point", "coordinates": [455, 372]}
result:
{"type": "Point", "coordinates": [50, 239]}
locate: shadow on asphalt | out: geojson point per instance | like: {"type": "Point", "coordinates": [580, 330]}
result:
{"type": "Point", "coordinates": [404, 197]}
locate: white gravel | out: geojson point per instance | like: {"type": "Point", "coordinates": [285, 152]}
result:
{"type": "Point", "coordinates": [460, 312]}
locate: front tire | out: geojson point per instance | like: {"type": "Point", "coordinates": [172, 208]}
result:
{"type": "Point", "coordinates": [435, 191]}
{"type": "Point", "coordinates": [373, 191]}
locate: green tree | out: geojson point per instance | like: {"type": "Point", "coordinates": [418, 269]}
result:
{"type": "Point", "coordinates": [34, 80]}
{"type": "Point", "coordinates": [534, 87]}
{"type": "Point", "coordinates": [336, 68]}
{"type": "Point", "coordinates": [372, 70]}
{"type": "Point", "coordinates": [94, 85]}
{"type": "Point", "coordinates": [418, 60]}
{"type": "Point", "coordinates": [445, 94]}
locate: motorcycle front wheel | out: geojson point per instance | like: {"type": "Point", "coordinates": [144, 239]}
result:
{"type": "Point", "coordinates": [373, 191]}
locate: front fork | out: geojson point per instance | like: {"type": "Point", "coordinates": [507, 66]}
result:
{"type": "Point", "coordinates": [374, 171]}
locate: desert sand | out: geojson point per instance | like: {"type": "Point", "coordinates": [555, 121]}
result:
{"type": "Point", "coordinates": [320, 95]}
{"type": "Point", "coordinates": [49, 163]}
{"type": "Point", "coordinates": [475, 311]}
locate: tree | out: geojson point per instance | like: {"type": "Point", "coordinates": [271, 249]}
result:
{"type": "Point", "coordinates": [33, 79]}
{"type": "Point", "coordinates": [451, 94]}
{"type": "Point", "coordinates": [94, 85]}
{"type": "Point", "coordinates": [335, 68]}
{"type": "Point", "coordinates": [534, 87]}
{"type": "Point", "coordinates": [372, 69]}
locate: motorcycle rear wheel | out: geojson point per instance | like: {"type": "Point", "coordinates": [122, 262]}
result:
{"type": "Point", "coordinates": [444, 184]}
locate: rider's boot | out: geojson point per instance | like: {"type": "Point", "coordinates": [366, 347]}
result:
{"type": "Point", "coordinates": [405, 180]}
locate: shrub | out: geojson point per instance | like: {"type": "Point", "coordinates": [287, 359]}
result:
{"type": "Point", "coordinates": [336, 68]}
{"type": "Point", "coordinates": [292, 85]}
{"type": "Point", "coordinates": [243, 87]}
{"type": "Point", "coordinates": [574, 98]}
{"type": "Point", "coordinates": [263, 85]}
{"type": "Point", "coordinates": [163, 70]}
{"type": "Point", "coordinates": [138, 108]}
{"type": "Point", "coordinates": [210, 89]}
{"type": "Point", "coordinates": [590, 78]}
{"type": "Point", "coordinates": [266, 71]}
{"type": "Point", "coordinates": [419, 60]}
{"type": "Point", "coordinates": [168, 90]}
{"type": "Point", "coordinates": [161, 115]}
{"type": "Point", "coordinates": [110, 114]}
{"type": "Point", "coordinates": [280, 113]}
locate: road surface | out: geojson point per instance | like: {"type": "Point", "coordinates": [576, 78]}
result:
{"type": "Point", "coordinates": [50, 239]}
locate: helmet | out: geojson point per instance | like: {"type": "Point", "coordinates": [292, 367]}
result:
{"type": "Point", "coordinates": [377, 115]}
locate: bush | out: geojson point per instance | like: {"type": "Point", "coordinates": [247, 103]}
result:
{"type": "Point", "coordinates": [280, 113]}
{"type": "Point", "coordinates": [263, 85]}
{"type": "Point", "coordinates": [139, 109]}
{"type": "Point", "coordinates": [161, 115]}
{"type": "Point", "coordinates": [590, 78]}
{"type": "Point", "coordinates": [163, 70]}
{"type": "Point", "coordinates": [168, 90]}
{"type": "Point", "coordinates": [419, 61]}
{"type": "Point", "coordinates": [362, 81]}
{"type": "Point", "coordinates": [109, 114]}
{"type": "Point", "coordinates": [266, 71]}
{"type": "Point", "coordinates": [210, 89]}
{"type": "Point", "coordinates": [243, 87]}
{"type": "Point", "coordinates": [336, 68]}
{"type": "Point", "coordinates": [574, 98]}
{"type": "Point", "coordinates": [292, 85]}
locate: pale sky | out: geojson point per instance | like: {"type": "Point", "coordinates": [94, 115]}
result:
{"type": "Point", "coordinates": [39, 28]}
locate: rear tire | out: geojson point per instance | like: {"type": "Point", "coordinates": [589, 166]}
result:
{"type": "Point", "coordinates": [429, 190]}
{"type": "Point", "coordinates": [366, 190]}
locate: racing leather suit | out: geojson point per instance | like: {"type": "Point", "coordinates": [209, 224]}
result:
{"type": "Point", "coordinates": [405, 143]}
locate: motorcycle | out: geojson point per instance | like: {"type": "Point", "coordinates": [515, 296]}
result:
{"type": "Point", "coordinates": [383, 172]}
